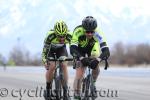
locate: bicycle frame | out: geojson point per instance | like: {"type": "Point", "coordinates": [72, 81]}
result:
{"type": "Point", "coordinates": [88, 85]}
{"type": "Point", "coordinates": [58, 78]}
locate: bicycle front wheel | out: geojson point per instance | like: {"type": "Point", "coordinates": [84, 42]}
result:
{"type": "Point", "coordinates": [58, 90]}
{"type": "Point", "coordinates": [92, 89]}
{"type": "Point", "coordinates": [87, 87]}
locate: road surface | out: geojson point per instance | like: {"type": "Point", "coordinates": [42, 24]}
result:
{"type": "Point", "coordinates": [25, 83]}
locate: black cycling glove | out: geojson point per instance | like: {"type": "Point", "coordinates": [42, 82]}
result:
{"type": "Point", "coordinates": [74, 51]}
{"type": "Point", "coordinates": [105, 53]}
{"type": "Point", "coordinates": [93, 63]}
{"type": "Point", "coordinates": [85, 61]}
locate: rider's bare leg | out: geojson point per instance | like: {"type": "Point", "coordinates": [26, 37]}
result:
{"type": "Point", "coordinates": [65, 81]}
{"type": "Point", "coordinates": [49, 76]}
{"type": "Point", "coordinates": [50, 71]}
{"type": "Point", "coordinates": [78, 79]}
{"type": "Point", "coordinates": [65, 71]}
{"type": "Point", "coordinates": [95, 73]}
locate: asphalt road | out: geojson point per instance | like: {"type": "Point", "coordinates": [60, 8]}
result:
{"type": "Point", "coordinates": [30, 86]}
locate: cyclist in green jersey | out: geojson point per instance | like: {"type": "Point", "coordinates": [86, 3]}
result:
{"type": "Point", "coordinates": [87, 40]}
{"type": "Point", "coordinates": [55, 42]}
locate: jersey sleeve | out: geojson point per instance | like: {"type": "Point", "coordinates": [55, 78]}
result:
{"type": "Point", "coordinates": [101, 39]}
{"type": "Point", "coordinates": [47, 44]}
{"type": "Point", "coordinates": [74, 41]}
{"type": "Point", "coordinates": [69, 37]}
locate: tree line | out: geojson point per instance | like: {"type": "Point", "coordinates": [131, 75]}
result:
{"type": "Point", "coordinates": [20, 56]}
{"type": "Point", "coordinates": [131, 54]}
{"type": "Point", "coordinates": [121, 54]}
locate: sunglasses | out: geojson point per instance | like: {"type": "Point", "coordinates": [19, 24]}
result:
{"type": "Point", "coordinates": [61, 36]}
{"type": "Point", "coordinates": [89, 32]}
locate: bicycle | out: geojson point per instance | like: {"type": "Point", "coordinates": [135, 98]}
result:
{"type": "Point", "coordinates": [58, 80]}
{"type": "Point", "coordinates": [87, 89]}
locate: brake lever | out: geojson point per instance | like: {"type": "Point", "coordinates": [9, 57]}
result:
{"type": "Point", "coordinates": [106, 64]}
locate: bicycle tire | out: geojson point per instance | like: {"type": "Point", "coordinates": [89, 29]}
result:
{"type": "Point", "coordinates": [66, 96]}
{"type": "Point", "coordinates": [92, 89]}
{"type": "Point", "coordinates": [45, 97]}
{"type": "Point", "coordinates": [58, 89]}
{"type": "Point", "coordinates": [83, 85]}
{"type": "Point", "coordinates": [87, 87]}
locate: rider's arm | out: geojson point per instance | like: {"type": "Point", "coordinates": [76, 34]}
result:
{"type": "Point", "coordinates": [74, 51]}
{"type": "Point", "coordinates": [74, 42]}
{"type": "Point", "coordinates": [47, 45]}
{"type": "Point", "coordinates": [69, 37]}
{"type": "Point", "coordinates": [103, 45]}
{"type": "Point", "coordinates": [44, 53]}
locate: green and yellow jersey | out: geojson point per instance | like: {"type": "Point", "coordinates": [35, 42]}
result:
{"type": "Point", "coordinates": [93, 45]}
{"type": "Point", "coordinates": [52, 41]}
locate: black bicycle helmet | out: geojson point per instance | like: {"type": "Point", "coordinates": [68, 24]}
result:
{"type": "Point", "coordinates": [89, 23]}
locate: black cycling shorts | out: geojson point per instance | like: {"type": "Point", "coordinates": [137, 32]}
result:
{"type": "Point", "coordinates": [59, 52]}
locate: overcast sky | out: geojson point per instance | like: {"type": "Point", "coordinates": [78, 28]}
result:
{"type": "Point", "coordinates": [28, 21]}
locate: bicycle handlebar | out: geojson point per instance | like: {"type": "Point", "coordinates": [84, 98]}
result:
{"type": "Point", "coordinates": [105, 68]}
{"type": "Point", "coordinates": [67, 59]}
{"type": "Point", "coordinates": [75, 60]}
